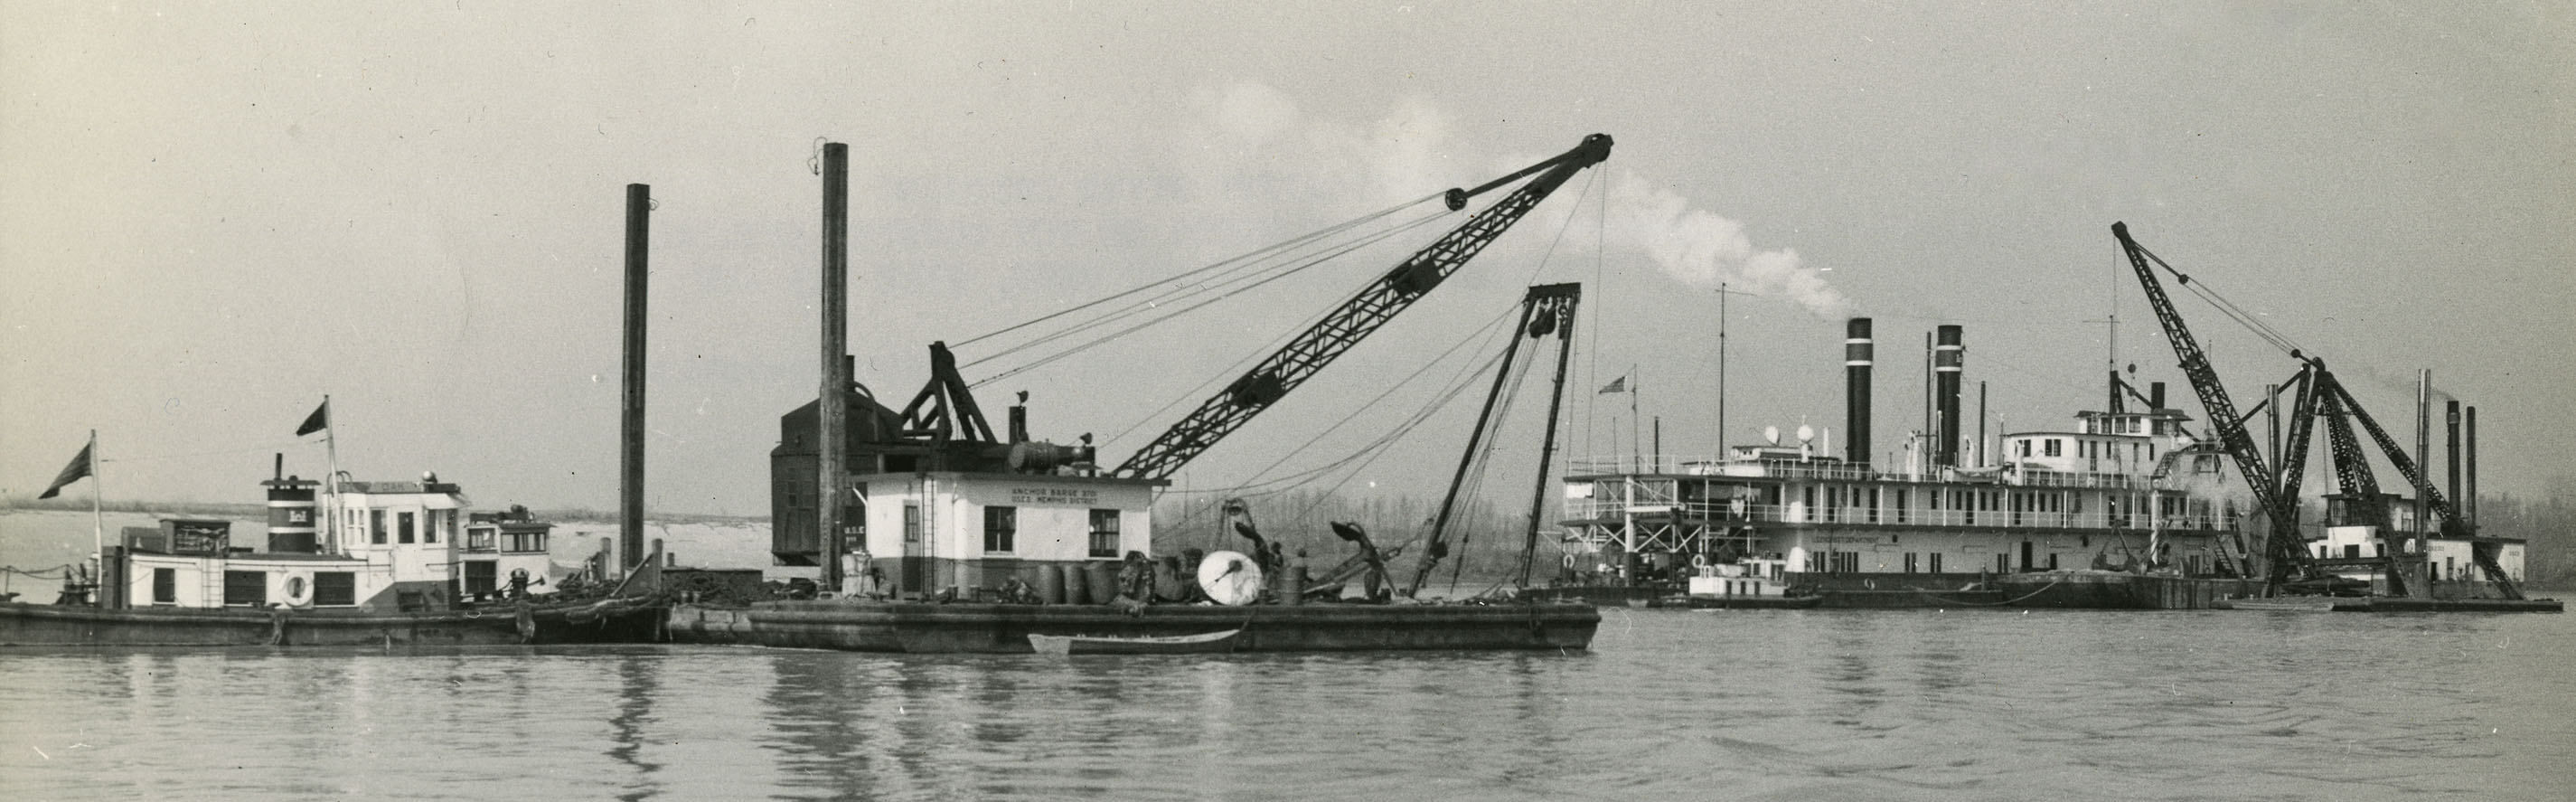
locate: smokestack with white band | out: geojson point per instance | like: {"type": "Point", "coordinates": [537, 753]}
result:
{"type": "Point", "coordinates": [1948, 356]}
{"type": "Point", "coordinates": [1859, 354]}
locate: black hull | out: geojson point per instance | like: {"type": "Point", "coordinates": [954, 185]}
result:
{"type": "Point", "coordinates": [63, 625]}
{"type": "Point", "coordinates": [1000, 628]}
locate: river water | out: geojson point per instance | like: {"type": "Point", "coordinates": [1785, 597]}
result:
{"type": "Point", "coordinates": [1805, 705]}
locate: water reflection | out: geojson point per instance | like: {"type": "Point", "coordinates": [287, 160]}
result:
{"type": "Point", "coordinates": [638, 682]}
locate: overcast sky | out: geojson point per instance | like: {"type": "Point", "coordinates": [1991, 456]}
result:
{"type": "Point", "coordinates": [211, 215]}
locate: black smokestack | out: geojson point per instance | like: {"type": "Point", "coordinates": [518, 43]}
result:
{"type": "Point", "coordinates": [1948, 356]}
{"type": "Point", "coordinates": [832, 408]}
{"type": "Point", "coordinates": [2470, 504]}
{"type": "Point", "coordinates": [2155, 396]}
{"type": "Point", "coordinates": [630, 462]}
{"type": "Point", "coordinates": [1859, 354]}
{"type": "Point", "coordinates": [2451, 425]}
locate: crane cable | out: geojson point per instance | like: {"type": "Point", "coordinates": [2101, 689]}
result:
{"type": "Point", "coordinates": [1456, 384]}
{"type": "Point", "coordinates": [2262, 330]}
{"type": "Point", "coordinates": [1231, 287]}
{"type": "Point", "coordinates": [1253, 254]}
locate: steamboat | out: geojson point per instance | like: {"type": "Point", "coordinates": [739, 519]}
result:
{"type": "Point", "coordinates": [2130, 507]}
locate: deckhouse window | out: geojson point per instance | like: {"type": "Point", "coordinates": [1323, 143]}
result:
{"type": "Point", "coordinates": [1001, 529]}
{"type": "Point", "coordinates": [2052, 447]}
{"type": "Point", "coordinates": [165, 586]}
{"type": "Point", "coordinates": [335, 588]}
{"type": "Point", "coordinates": [376, 527]}
{"type": "Point", "coordinates": [1104, 533]}
{"type": "Point", "coordinates": [403, 524]}
{"type": "Point", "coordinates": [246, 587]}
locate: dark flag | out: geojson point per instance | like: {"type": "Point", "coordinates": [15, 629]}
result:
{"type": "Point", "coordinates": [318, 421]}
{"type": "Point", "coordinates": [71, 473]}
{"type": "Point", "coordinates": [1618, 385]}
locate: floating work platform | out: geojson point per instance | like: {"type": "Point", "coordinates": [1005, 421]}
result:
{"type": "Point", "coordinates": [602, 621]}
{"type": "Point", "coordinates": [923, 628]}
{"type": "Point", "coordinates": [2117, 590]}
{"type": "Point", "coordinates": [2389, 604]}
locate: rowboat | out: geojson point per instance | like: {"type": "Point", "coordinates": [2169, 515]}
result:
{"type": "Point", "coordinates": [2286, 604]}
{"type": "Point", "coordinates": [1205, 642]}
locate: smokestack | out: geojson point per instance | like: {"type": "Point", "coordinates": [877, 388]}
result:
{"type": "Point", "coordinates": [630, 462]}
{"type": "Point", "coordinates": [832, 407]}
{"type": "Point", "coordinates": [2423, 450]}
{"type": "Point", "coordinates": [2469, 505]}
{"type": "Point", "coordinates": [2451, 425]}
{"type": "Point", "coordinates": [2155, 396]}
{"type": "Point", "coordinates": [1859, 354]}
{"type": "Point", "coordinates": [1948, 356]}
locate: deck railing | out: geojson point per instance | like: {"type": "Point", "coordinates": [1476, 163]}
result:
{"type": "Point", "coordinates": [1611, 510]}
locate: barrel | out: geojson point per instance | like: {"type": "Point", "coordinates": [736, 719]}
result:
{"type": "Point", "coordinates": [1292, 585]}
{"type": "Point", "coordinates": [1077, 583]}
{"type": "Point", "coordinates": [1169, 585]}
{"type": "Point", "coordinates": [1104, 581]}
{"type": "Point", "coordinates": [1050, 583]}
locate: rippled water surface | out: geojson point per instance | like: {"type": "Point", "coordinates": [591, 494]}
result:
{"type": "Point", "coordinates": [1808, 705]}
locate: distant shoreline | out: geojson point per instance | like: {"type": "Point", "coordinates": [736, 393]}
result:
{"type": "Point", "coordinates": [259, 511]}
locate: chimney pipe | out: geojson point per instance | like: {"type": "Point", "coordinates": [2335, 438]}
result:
{"type": "Point", "coordinates": [2469, 503]}
{"type": "Point", "coordinates": [2155, 396]}
{"type": "Point", "coordinates": [2423, 451]}
{"type": "Point", "coordinates": [832, 409]}
{"type": "Point", "coordinates": [1948, 357]}
{"type": "Point", "coordinates": [630, 463]}
{"type": "Point", "coordinates": [1859, 355]}
{"type": "Point", "coordinates": [2451, 427]}
{"type": "Point", "coordinates": [278, 470]}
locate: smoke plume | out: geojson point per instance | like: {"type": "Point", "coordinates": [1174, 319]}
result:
{"type": "Point", "coordinates": [1251, 144]}
{"type": "Point", "coordinates": [1701, 248]}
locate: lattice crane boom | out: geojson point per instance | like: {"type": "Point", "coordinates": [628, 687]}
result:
{"type": "Point", "coordinates": [1357, 317]}
{"type": "Point", "coordinates": [2288, 554]}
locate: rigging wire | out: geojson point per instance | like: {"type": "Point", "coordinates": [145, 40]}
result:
{"type": "Point", "coordinates": [1253, 254]}
{"type": "Point", "coordinates": [1241, 364]}
{"type": "Point", "coordinates": [1256, 281]}
{"type": "Point", "coordinates": [2261, 330]}
{"type": "Point", "coordinates": [1484, 332]}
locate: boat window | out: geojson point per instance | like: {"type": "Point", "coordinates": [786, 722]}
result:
{"type": "Point", "coordinates": [334, 588]}
{"type": "Point", "coordinates": [1104, 533]}
{"type": "Point", "coordinates": [911, 523]}
{"type": "Point", "coordinates": [165, 586]}
{"type": "Point", "coordinates": [376, 527]}
{"type": "Point", "coordinates": [1001, 529]}
{"type": "Point", "coordinates": [246, 587]}
{"type": "Point", "coordinates": [403, 527]}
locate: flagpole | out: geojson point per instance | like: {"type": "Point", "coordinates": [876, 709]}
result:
{"type": "Point", "coordinates": [97, 521]}
{"type": "Point", "coordinates": [331, 481]}
{"type": "Point", "coordinates": [1633, 381]}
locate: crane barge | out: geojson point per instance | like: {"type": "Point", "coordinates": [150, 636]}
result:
{"type": "Point", "coordinates": [973, 540]}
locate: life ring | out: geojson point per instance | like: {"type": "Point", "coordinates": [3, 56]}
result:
{"type": "Point", "coordinates": [299, 590]}
{"type": "Point", "coordinates": [1699, 561]}
{"type": "Point", "coordinates": [1569, 561]}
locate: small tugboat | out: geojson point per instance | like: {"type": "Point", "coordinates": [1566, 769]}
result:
{"type": "Point", "coordinates": [402, 563]}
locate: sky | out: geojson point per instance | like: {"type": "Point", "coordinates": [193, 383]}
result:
{"type": "Point", "coordinates": [212, 215]}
